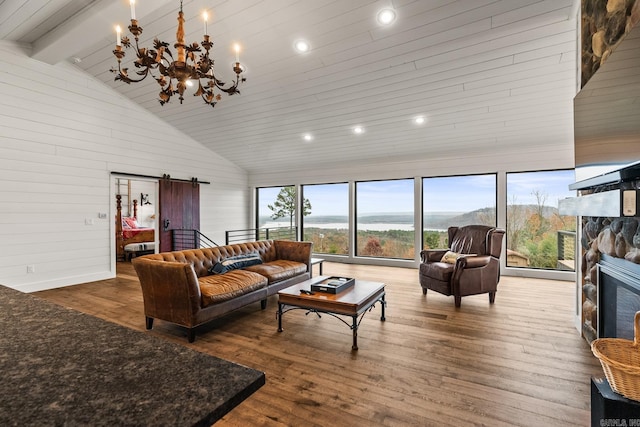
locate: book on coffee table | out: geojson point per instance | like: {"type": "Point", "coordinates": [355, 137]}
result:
{"type": "Point", "coordinates": [333, 284]}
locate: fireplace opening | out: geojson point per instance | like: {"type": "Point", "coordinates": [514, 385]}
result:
{"type": "Point", "coordinates": [619, 297]}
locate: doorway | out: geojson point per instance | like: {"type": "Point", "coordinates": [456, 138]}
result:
{"type": "Point", "coordinates": [136, 204]}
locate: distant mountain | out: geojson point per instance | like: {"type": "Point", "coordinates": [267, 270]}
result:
{"type": "Point", "coordinates": [479, 216]}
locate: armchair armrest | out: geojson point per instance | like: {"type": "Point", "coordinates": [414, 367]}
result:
{"type": "Point", "coordinates": [473, 261]}
{"type": "Point", "coordinates": [469, 272]}
{"type": "Point", "coordinates": [432, 255]}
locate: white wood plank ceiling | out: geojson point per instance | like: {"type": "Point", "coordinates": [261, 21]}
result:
{"type": "Point", "coordinates": [488, 76]}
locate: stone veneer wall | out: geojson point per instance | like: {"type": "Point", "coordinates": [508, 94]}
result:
{"type": "Point", "coordinates": [618, 237]}
{"type": "Point", "coordinates": [603, 26]}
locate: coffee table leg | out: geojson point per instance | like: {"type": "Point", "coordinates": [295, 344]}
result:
{"type": "Point", "coordinates": [354, 327]}
{"type": "Point", "coordinates": [279, 317]}
{"type": "Point", "coordinates": [384, 304]}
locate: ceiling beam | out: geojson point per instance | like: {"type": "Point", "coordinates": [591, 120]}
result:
{"type": "Point", "coordinates": [86, 28]}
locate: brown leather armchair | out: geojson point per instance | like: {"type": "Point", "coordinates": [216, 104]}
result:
{"type": "Point", "coordinates": [473, 268]}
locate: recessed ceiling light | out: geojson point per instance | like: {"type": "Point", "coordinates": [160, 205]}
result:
{"type": "Point", "coordinates": [302, 46]}
{"type": "Point", "coordinates": [386, 16]}
{"type": "Point", "coordinates": [307, 137]}
{"type": "Point", "coordinates": [419, 120]}
{"type": "Point", "coordinates": [358, 130]}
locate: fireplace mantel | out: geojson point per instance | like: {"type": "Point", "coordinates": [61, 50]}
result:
{"type": "Point", "coordinates": [614, 178]}
{"type": "Point", "coordinates": [613, 194]}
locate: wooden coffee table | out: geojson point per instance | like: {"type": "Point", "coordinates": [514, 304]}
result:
{"type": "Point", "coordinates": [354, 302]}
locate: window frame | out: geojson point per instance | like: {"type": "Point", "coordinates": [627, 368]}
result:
{"type": "Point", "coordinates": [302, 227]}
{"type": "Point", "coordinates": [422, 197]}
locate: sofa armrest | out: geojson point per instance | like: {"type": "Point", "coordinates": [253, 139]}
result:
{"type": "Point", "coordinates": [294, 251]}
{"type": "Point", "coordinates": [170, 290]}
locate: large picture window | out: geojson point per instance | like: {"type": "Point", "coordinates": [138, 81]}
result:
{"type": "Point", "coordinates": [537, 235]}
{"type": "Point", "coordinates": [456, 201]}
{"type": "Point", "coordinates": [276, 211]}
{"type": "Point", "coordinates": [385, 219]}
{"type": "Point", "coordinates": [327, 223]}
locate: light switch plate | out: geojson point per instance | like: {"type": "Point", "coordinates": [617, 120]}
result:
{"type": "Point", "coordinates": [629, 202]}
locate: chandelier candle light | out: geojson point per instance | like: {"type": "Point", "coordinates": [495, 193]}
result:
{"type": "Point", "coordinates": [175, 75]}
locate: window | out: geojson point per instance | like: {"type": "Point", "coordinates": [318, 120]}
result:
{"type": "Point", "coordinates": [456, 201]}
{"type": "Point", "coordinates": [276, 207]}
{"type": "Point", "coordinates": [327, 223]}
{"type": "Point", "coordinates": [384, 220]}
{"type": "Point", "coordinates": [537, 235]}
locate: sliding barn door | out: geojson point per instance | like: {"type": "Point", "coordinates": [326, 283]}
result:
{"type": "Point", "coordinates": [179, 209]}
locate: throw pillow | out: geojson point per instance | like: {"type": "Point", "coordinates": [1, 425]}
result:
{"type": "Point", "coordinates": [235, 262]}
{"type": "Point", "coordinates": [450, 257]}
{"type": "Point", "coordinates": [131, 222]}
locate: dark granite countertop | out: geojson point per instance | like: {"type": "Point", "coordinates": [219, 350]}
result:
{"type": "Point", "coordinates": [62, 367]}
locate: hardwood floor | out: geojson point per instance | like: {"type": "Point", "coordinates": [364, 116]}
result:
{"type": "Point", "coordinates": [519, 362]}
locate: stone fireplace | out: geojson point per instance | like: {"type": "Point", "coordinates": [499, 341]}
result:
{"type": "Point", "coordinates": [610, 263]}
{"type": "Point", "coordinates": [607, 151]}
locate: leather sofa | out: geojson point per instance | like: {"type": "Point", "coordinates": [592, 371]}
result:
{"type": "Point", "coordinates": [181, 287]}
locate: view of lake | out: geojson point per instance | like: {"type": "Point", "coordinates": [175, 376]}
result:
{"type": "Point", "coordinates": [374, 222]}
{"type": "Point", "coordinates": [344, 226]}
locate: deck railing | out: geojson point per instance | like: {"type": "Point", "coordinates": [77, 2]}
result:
{"type": "Point", "coordinates": [190, 239]}
{"type": "Point", "coordinates": [566, 250]}
{"type": "Point", "coordinates": [255, 234]}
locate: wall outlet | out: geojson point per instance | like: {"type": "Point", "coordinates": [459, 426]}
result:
{"type": "Point", "coordinates": [31, 269]}
{"type": "Point", "coordinates": [88, 221]}
{"type": "Point", "coordinates": [102, 215]}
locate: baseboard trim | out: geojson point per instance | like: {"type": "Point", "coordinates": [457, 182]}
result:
{"type": "Point", "coordinates": [63, 281]}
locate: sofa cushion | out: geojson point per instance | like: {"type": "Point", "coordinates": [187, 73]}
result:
{"type": "Point", "coordinates": [235, 262]}
{"type": "Point", "coordinates": [279, 270]}
{"type": "Point", "coordinates": [219, 288]}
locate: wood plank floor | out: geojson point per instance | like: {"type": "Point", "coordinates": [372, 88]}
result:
{"type": "Point", "coordinates": [519, 362]}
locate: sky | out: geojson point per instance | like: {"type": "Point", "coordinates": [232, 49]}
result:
{"type": "Point", "coordinates": [553, 184]}
{"type": "Point", "coordinates": [459, 193]}
{"type": "Point", "coordinates": [445, 194]}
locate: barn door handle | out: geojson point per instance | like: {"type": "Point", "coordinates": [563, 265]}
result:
{"type": "Point", "coordinates": [165, 224]}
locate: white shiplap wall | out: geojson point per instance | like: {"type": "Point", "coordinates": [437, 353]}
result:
{"type": "Point", "coordinates": [532, 158]}
{"type": "Point", "coordinates": [62, 133]}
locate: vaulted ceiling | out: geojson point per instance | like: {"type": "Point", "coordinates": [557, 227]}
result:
{"type": "Point", "coordinates": [486, 75]}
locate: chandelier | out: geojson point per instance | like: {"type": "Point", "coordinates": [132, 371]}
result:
{"type": "Point", "coordinates": [192, 65]}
